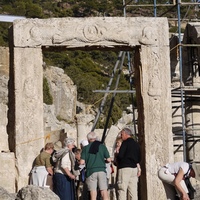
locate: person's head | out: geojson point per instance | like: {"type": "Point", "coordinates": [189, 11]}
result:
{"type": "Point", "coordinates": [69, 143]}
{"type": "Point", "coordinates": [126, 133]}
{"type": "Point", "coordinates": [118, 142]}
{"type": "Point", "coordinates": [84, 143]}
{"type": "Point", "coordinates": [49, 147]}
{"type": "Point", "coordinates": [77, 153]}
{"type": "Point", "coordinates": [195, 171]}
{"type": "Point", "coordinates": [91, 136]}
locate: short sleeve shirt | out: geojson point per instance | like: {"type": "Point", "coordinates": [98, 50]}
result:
{"type": "Point", "coordinates": [173, 168]}
{"type": "Point", "coordinates": [43, 159]}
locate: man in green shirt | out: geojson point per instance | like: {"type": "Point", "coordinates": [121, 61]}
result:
{"type": "Point", "coordinates": [94, 157]}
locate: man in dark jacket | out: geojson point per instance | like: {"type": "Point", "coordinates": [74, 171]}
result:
{"type": "Point", "coordinates": [128, 166]}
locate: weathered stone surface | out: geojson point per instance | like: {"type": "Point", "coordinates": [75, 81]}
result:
{"type": "Point", "coordinates": [64, 93]}
{"type": "Point", "coordinates": [4, 60]}
{"type": "Point", "coordinates": [4, 76]}
{"type": "Point", "coordinates": [3, 124]}
{"type": "Point", "coordinates": [26, 135]}
{"type": "Point", "coordinates": [81, 32]}
{"type": "Point", "coordinates": [32, 192]}
{"type": "Point", "coordinates": [154, 119]}
{"type": "Point", "coordinates": [4, 88]}
{"type": "Point", "coordinates": [5, 195]}
{"type": "Point", "coordinates": [7, 171]}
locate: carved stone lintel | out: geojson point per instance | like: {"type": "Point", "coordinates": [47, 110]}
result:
{"type": "Point", "coordinates": [88, 32]}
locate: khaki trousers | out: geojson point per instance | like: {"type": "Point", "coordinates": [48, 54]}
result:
{"type": "Point", "coordinates": [127, 184]}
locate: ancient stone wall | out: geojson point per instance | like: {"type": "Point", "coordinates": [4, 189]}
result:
{"type": "Point", "coordinates": [4, 74]}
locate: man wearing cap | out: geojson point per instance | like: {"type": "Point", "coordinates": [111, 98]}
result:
{"type": "Point", "coordinates": [83, 143]}
{"type": "Point", "coordinates": [129, 170]}
{"type": "Point", "coordinates": [94, 156]}
{"type": "Point", "coordinates": [173, 175]}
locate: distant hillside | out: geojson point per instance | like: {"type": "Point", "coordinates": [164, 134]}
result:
{"type": "Point", "coordinates": [88, 8]}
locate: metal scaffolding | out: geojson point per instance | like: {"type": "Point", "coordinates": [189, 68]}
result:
{"type": "Point", "coordinates": [182, 89]}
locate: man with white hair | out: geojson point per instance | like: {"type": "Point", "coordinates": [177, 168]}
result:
{"type": "Point", "coordinates": [94, 156]}
{"type": "Point", "coordinates": [129, 169]}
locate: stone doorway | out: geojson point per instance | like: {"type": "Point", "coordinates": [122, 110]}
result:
{"type": "Point", "coordinates": [148, 36]}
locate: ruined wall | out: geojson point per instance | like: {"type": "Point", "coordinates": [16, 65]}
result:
{"type": "Point", "coordinates": [4, 74]}
{"type": "Point", "coordinates": [7, 159]}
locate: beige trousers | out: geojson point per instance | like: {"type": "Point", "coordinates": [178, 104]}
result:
{"type": "Point", "coordinates": [127, 184]}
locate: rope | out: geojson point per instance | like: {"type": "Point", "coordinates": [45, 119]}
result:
{"type": "Point", "coordinates": [175, 47]}
{"type": "Point", "coordinates": [46, 137]}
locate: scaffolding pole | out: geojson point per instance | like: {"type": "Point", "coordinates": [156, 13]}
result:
{"type": "Point", "coordinates": [176, 4]}
{"type": "Point", "coordinates": [181, 80]}
{"type": "Point", "coordinates": [101, 107]}
{"type": "Point", "coordinates": [112, 100]}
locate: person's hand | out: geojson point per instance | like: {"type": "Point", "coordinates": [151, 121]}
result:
{"type": "Point", "coordinates": [72, 176]}
{"type": "Point", "coordinates": [185, 196]}
{"type": "Point", "coordinates": [139, 172]}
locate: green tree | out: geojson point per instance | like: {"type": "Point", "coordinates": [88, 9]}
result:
{"type": "Point", "coordinates": [47, 97]}
{"type": "Point", "coordinates": [33, 11]}
{"type": "Point", "coordinates": [4, 33]}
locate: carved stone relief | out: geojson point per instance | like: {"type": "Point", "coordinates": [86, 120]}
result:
{"type": "Point", "coordinates": [108, 32]}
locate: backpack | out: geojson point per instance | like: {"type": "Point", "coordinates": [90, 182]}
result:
{"type": "Point", "coordinates": [191, 190]}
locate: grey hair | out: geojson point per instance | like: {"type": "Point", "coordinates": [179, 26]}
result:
{"type": "Point", "coordinates": [91, 136]}
{"type": "Point", "coordinates": [68, 141]}
{"type": "Point", "coordinates": [128, 131]}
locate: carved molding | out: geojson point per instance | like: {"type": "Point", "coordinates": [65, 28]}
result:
{"type": "Point", "coordinates": [83, 32]}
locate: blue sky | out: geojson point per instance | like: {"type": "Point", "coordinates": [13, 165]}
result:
{"type": "Point", "coordinates": [10, 18]}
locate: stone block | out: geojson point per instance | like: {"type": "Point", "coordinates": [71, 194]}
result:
{"type": "Point", "coordinates": [7, 171]}
{"type": "Point", "coordinates": [3, 131]}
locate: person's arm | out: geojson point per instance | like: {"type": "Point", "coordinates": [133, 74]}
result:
{"type": "Point", "coordinates": [139, 170]}
{"type": "Point", "coordinates": [69, 173]}
{"type": "Point", "coordinates": [65, 163]}
{"type": "Point", "coordinates": [49, 170]}
{"type": "Point", "coordinates": [177, 183]}
{"type": "Point", "coordinates": [106, 154]}
{"type": "Point", "coordinates": [108, 160]}
{"type": "Point", "coordinates": [48, 166]}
